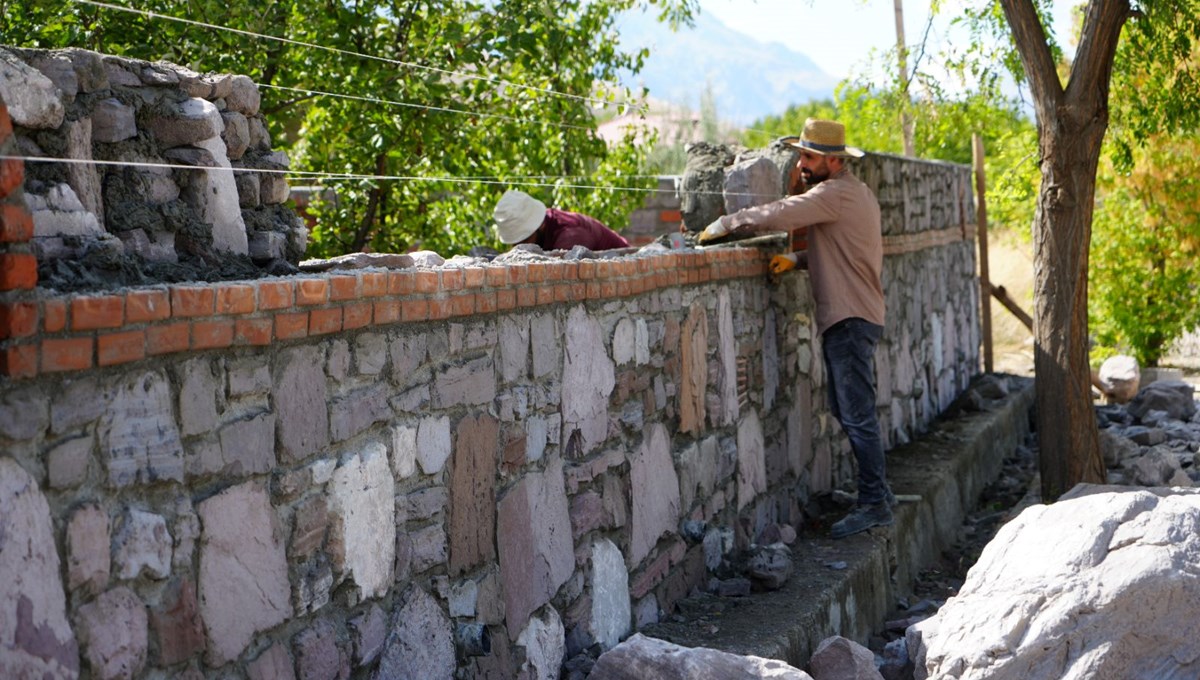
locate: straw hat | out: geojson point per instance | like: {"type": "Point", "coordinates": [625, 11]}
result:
{"type": "Point", "coordinates": [824, 138]}
{"type": "Point", "coordinates": [517, 216]}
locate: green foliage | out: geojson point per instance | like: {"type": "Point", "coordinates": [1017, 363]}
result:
{"type": "Point", "coordinates": [444, 104]}
{"type": "Point", "coordinates": [1145, 273]}
{"type": "Point", "coordinates": [943, 131]}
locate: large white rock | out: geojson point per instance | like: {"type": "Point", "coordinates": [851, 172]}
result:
{"type": "Point", "coordinates": [641, 658]}
{"type": "Point", "coordinates": [727, 351]}
{"type": "Point", "coordinates": [1102, 584]}
{"type": "Point", "coordinates": [362, 502]}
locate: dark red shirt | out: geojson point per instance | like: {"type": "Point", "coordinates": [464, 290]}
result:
{"type": "Point", "coordinates": [564, 230]}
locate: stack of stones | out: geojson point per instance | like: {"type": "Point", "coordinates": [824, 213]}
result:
{"type": "Point", "coordinates": [185, 168]}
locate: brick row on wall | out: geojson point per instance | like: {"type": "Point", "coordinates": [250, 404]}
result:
{"type": "Point", "coordinates": [51, 334]}
{"type": "Point", "coordinates": [18, 267]}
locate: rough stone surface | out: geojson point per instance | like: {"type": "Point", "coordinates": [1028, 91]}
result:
{"type": "Point", "coordinates": [248, 444]}
{"type": "Point", "coordinates": [404, 451]}
{"type": "Point", "coordinates": [611, 611]}
{"type": "Point", "coordinates": [752, 466]}
{"type": "Point", "coordinates": [113, 629]}
{"type": "Point", "coordinates": [655, 493]}
{"type": "Point", "coordinates": [536, 556]}
{"type": "Point", "coordinates": [318, 656]}
{"type": "Point", "coordinates": [88, 560]}
{"type": "Point", "coordinates": [142, 544]}
{"type": "Point", "coordinates": [588, 380]}
{"type": "Point", "coordinates": [67, 462]}
{"type": "Point", "coordinates": [197, 398]}
{"type": "Point", "coordinates": [641, 657]}
{"type": "Point", "coordinates": [220, 206]}
{"type": "Point", "coordinates": [420, 645]}
{"type": "Point", "coordinates": [300, 396]}
{"type": "Point", "coordinates": [363, 536]}
{"type": "Point", "coordinates": [36, 641]}
{"type": "Point", "coordinates": [139, 440]}
{"type": "Point", "coordinates": [727, 351]}
{"type": "Point", "coordinates": [547, 344]}
{"type": "Point", "coordinates": [1100, 584]}
{"type": "Point", "coordinates": [176, 624]}
{"type": "Point", "coordinates": [31, 97]}
{"type": "Point", "coordinates": [113, 121]}
{"type": "Point", "coordinates": [750, 182]}
{"type": "Point", "coordinates": [243, 571]}
{"type": "Point", "coordinates": [273, 664]}
{"type": "Point", "coordinates": [693, 370]}
{"type": "Point", "coordinates": [545, 645]}
{"type": "Point", "coordinates": [368, 632]}
{"type": "Point", "coordinates": [838, 658]}
{"type": "Point", "coordinates": [433, 444]}
{"type": "Point", "coordinates": [1175, 397]}
{"type": "Point", "coordinates": [472, 493]}
{"type": "Point", "coordinates": [471, 383]}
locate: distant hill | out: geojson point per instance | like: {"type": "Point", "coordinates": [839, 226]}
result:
{"type": "Point", "coordinates": [749, 78]}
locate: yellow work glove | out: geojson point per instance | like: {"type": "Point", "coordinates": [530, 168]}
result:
{"type": "Point", "coordinates": [713, 231]}
{"type": "Point", "coordinates": [782, 263]}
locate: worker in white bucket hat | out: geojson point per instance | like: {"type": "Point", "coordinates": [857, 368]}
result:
{"type": "Point", "coordinates": [521, 218]}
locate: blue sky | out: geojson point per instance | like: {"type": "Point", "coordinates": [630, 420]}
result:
{"type": "Point", "coordinates": [839, 35]}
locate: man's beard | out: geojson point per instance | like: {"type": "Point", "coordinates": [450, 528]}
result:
{"type": "Point", "coordinates": [813, 179]}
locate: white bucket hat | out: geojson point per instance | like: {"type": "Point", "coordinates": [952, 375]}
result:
{"type": "Point", "coordinates": [517, 216]}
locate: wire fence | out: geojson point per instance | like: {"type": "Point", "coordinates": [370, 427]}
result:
{"type": "Point", "coordinates": [529, 181]}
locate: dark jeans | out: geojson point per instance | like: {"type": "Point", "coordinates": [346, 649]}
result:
{"type": "Point", "coordinates": [849, 348]}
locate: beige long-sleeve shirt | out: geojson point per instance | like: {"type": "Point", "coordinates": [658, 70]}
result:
{"type": "Point", "coordinates": [845, 245]}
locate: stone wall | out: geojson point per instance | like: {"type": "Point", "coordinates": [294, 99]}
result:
{"type": "Point", "coordinates": [473, 468]}
{"type": "Point", "coordinates": [184, 165]}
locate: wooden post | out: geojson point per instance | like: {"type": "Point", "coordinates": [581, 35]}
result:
{"type": "Point", "coordinates": [906, 121]}
{"type": "Point", "coordinates": [985, 284]}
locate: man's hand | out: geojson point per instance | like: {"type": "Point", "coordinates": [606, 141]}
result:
{"type": "Point", "coordinates": [782, 263]}
{"type": "Point", "coordinates": [713, 231]}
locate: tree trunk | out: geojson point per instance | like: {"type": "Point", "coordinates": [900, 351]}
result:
{"type": "Point", "coordinates": [1066, 422]}
{"type": "Point", "coordinates": [1071, 126]}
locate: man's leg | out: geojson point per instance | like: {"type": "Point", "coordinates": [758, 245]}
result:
{"type": "Point", "coordinates": [849, 350]}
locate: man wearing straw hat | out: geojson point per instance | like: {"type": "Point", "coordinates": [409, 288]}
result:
{"type": "Point", "coordinates": [844, 260]}
{"type": "Point", "coordinates": [521, 218]}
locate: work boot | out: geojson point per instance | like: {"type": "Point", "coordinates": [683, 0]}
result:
{"type": "Point", "coordinates": [862, 518]}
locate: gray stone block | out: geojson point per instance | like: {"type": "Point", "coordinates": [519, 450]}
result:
{"type": "Point", "coordinates": [113, 121]}
{"type": "Point", "coordinates": [32, 98]}
{"type": "Point", "coordinates": [300, 397]}
{"type": "Point", "coordinates": [67, 462]}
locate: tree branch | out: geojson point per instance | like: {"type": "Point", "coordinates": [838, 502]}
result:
{"type": "Point", "coordinates": [1030, 38]}
{"type": "Point", "coordinates": [1092, 71]}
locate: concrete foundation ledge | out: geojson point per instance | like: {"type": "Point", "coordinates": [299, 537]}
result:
{"type": "Point", "coordinates": [848, 587]}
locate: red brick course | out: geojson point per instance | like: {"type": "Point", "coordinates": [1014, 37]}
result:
{"type": "Point", "coordinates": [73, 333]}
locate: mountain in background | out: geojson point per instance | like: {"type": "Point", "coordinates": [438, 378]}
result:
{"type": "Point", "coordinates": [749, 78]}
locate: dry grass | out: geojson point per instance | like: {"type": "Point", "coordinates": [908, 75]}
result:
{"type": "Point", "coordinates": [1010, 264]}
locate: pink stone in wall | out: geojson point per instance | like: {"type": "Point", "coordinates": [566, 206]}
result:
{"type": "Point", "coordinates": [534, 539]}
{"type": "Point", "coordinates": [35, 638]}
{"type": "Point", "coordinates": [243, 571]}
{"type": "Point", "coordinates": [114, 631]}
{"type": "Point", "coordinates": [655, 493]}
